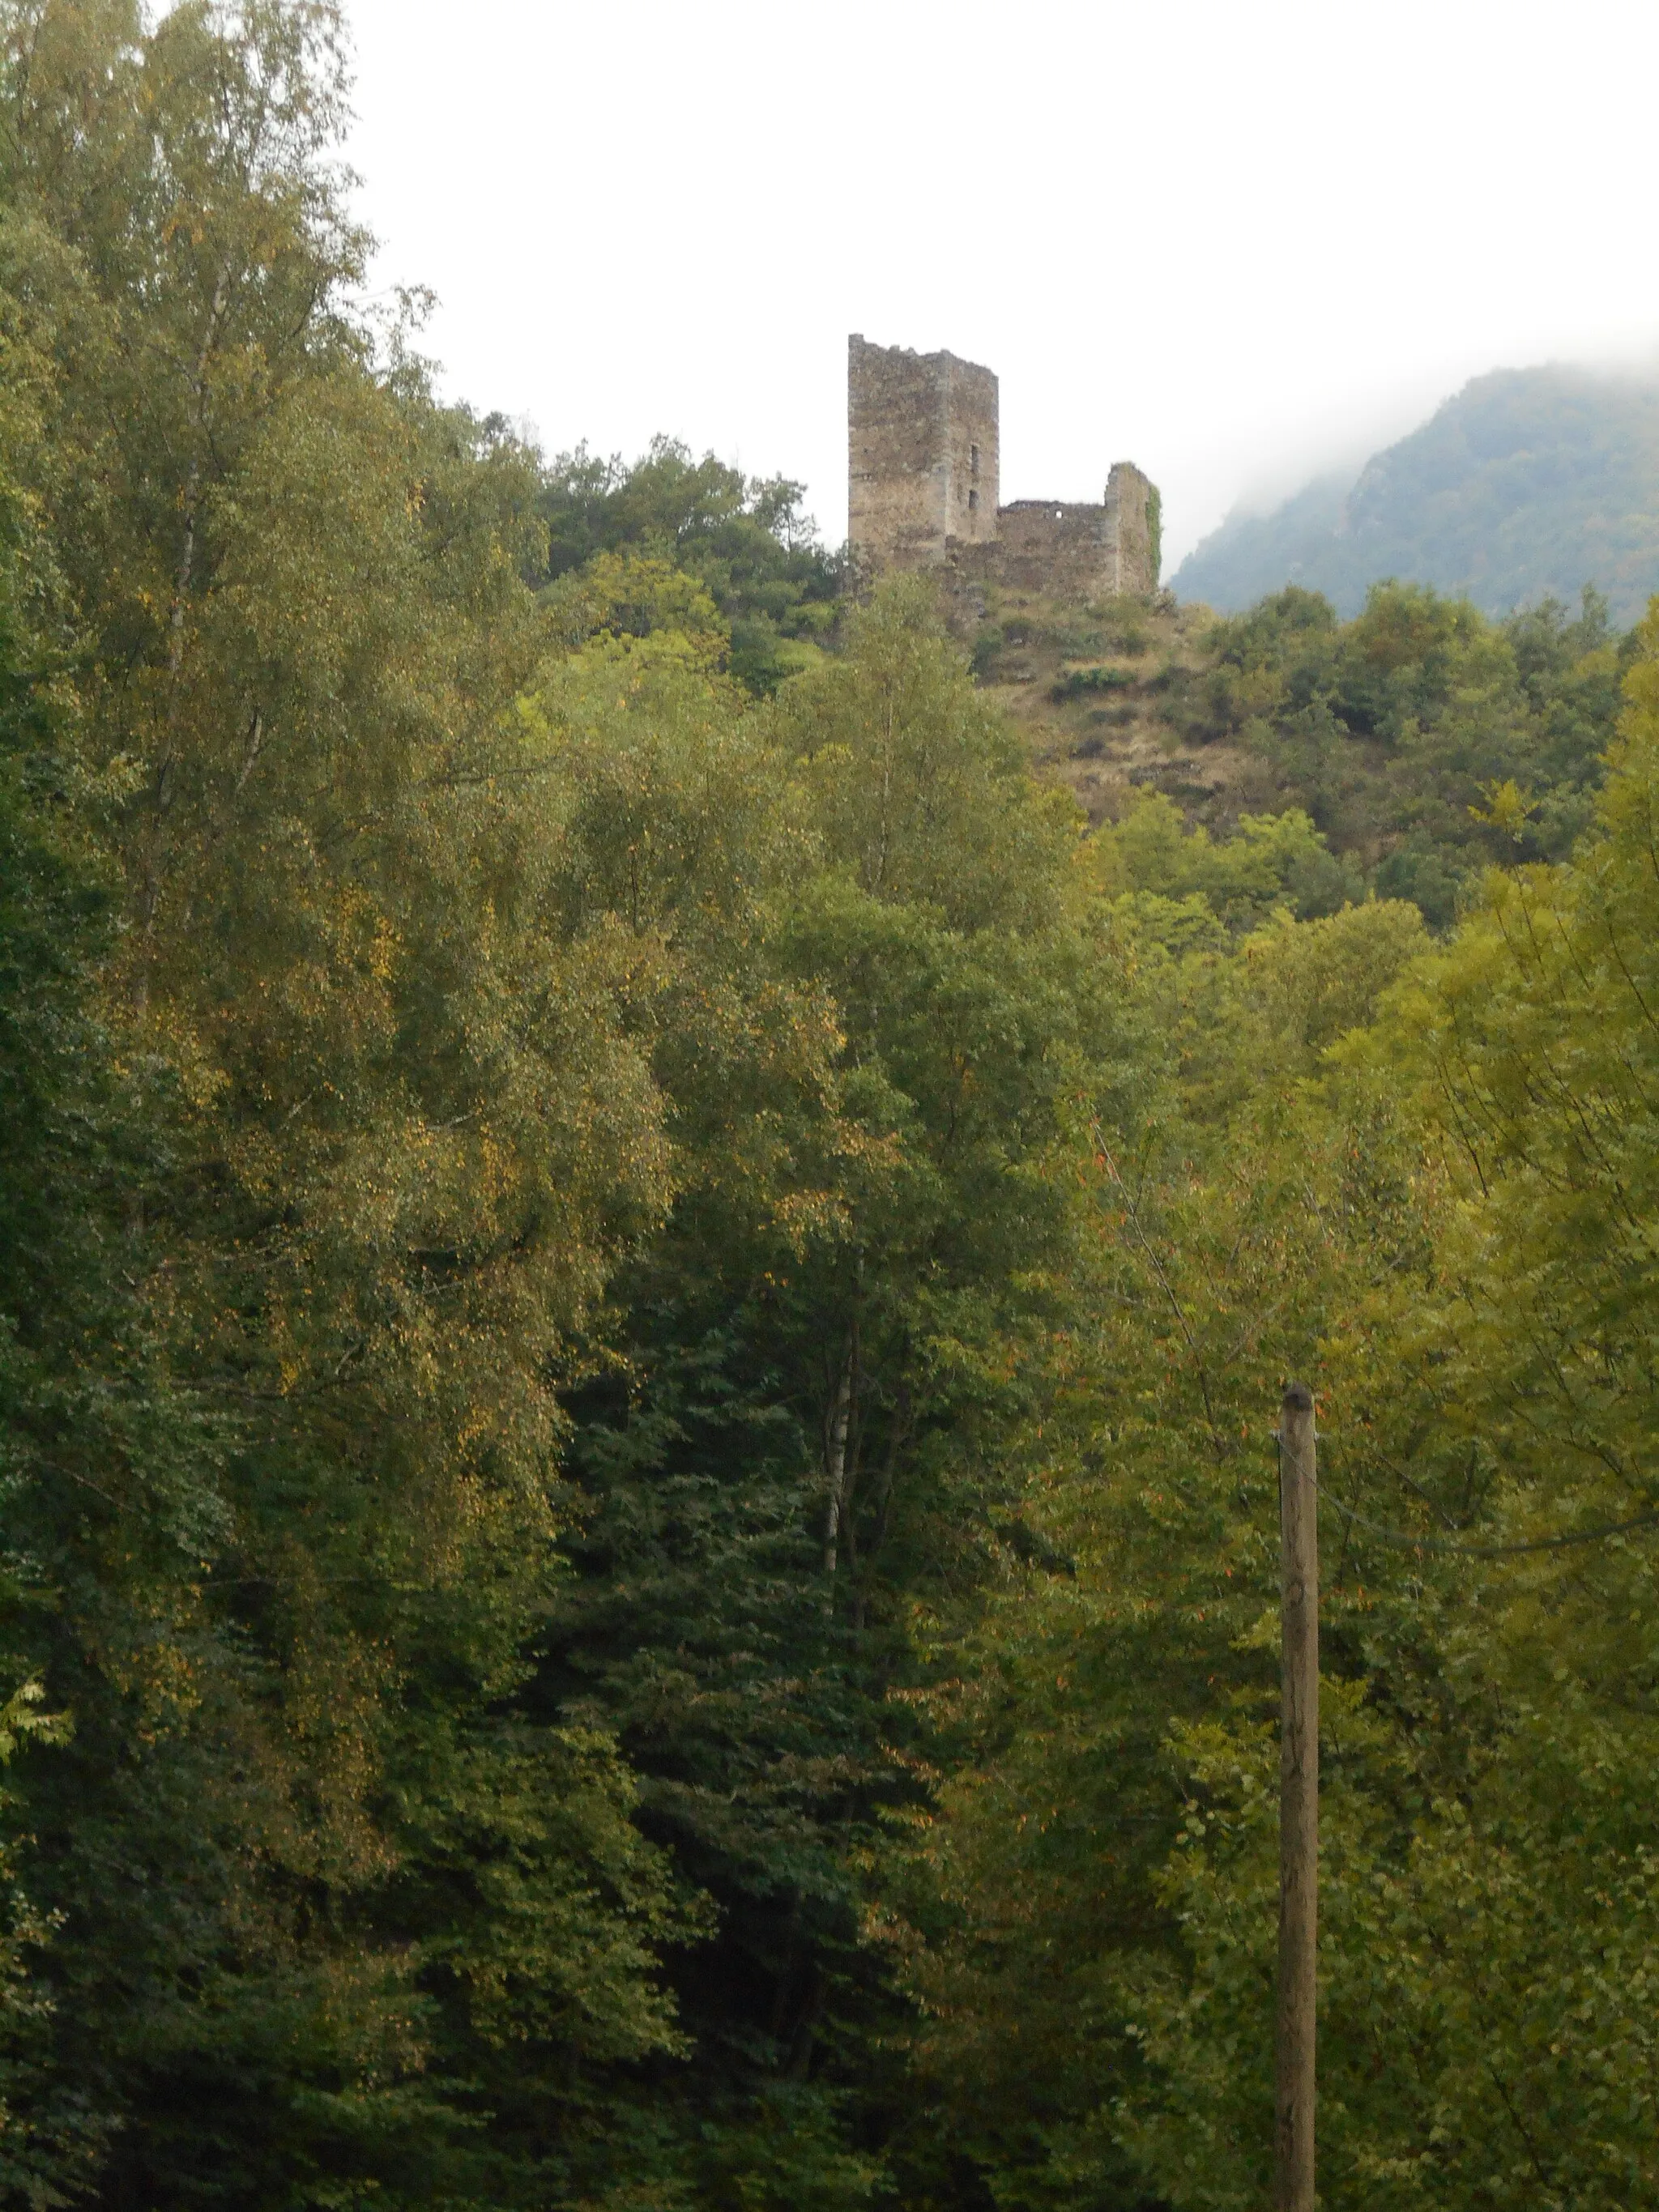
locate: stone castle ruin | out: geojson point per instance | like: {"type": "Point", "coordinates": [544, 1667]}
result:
{"type": "Point", "coordinates": [921, 438]}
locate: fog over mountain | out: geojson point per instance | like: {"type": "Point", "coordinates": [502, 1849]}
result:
{"type": "Point", "coordinates": [1528, 483]}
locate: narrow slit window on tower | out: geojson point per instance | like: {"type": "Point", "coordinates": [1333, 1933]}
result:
{"type": "Point", "coordinates": [972, 501]}
{"type": "Point", "coordinates": [973, 460]}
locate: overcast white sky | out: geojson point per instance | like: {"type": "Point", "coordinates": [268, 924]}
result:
{"type": "Point", "coordinates": [1225, 240]}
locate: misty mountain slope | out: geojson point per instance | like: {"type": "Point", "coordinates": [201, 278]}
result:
{"type": "Point", "coordinates": [1528, 481]}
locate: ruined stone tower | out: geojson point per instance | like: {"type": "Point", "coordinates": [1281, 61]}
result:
{"type": "Point", "coordinates": [921, 439]}
{"type": "Point", "coordinates": [922, 487]}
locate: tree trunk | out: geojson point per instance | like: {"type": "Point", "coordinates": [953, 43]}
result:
{"type": "Point", "coordinates": [835, 1458]}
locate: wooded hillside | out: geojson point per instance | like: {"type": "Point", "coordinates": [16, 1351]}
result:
{"type": "Point", "coordinates": [1525, 485]}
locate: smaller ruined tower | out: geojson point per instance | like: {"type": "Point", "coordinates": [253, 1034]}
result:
{"type": "Point", "coordinates": [921, 437]}
{"type": "Point", "coordinates": [1132, 507]}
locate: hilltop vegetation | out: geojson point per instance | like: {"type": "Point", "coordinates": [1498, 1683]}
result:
{"type": "Point", "coordinates": [645, 1284]}
{"type": "Point", "coordinates": [1422, 742]}
{"type": "Point", "coordinates": [745, 540]}
{"type": "Point", "coordinates": [1526, 485]}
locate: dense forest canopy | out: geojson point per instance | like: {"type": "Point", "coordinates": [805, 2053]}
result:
{"type": "Point", "coordinates": [645, 1286]}
{"type": "Point", "coordinates": [1523, 486]}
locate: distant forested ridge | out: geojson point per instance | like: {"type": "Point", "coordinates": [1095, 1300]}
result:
{"type": "Point", "coordinates": [1529, 483]}
{"type": "Point", "coordinates": [643, 1285]}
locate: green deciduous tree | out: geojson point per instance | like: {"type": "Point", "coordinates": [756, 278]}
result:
{"type": "Point", "coordinates": [1424, 741]}
{"type": "Point", "coordinates": [746, 540]}
{"type": "Point", "coordinates": [1445, 1228]}
{"type": "Point", "coordinates": [288, 1496]}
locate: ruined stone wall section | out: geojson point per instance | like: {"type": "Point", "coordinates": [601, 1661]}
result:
{"type": "Point", "coordinates": [1081, 552]}
{"type": "Point", "coordinates": [1059, 547]}
{"type": "Point", "coordinates": [1128, 504]}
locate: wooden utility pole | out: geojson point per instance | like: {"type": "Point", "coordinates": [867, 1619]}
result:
{"type": "Point", "coordinates": [1298, 1805]}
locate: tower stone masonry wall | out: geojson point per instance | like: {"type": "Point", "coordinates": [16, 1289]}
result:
{"type": "Point", "coordinates": [922, 486]}
{"type": "Point", "coordinates": [921, 452]}
{"type": "Point", "coordinates": [971, 462]}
